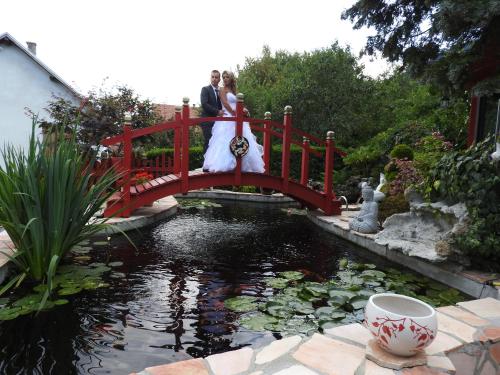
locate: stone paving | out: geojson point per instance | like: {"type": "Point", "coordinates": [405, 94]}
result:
{"type": "Point", "coordinates": [468, 343]}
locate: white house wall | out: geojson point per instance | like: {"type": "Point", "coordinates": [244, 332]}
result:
{"type": "Point", "coordinates": [24, 83]}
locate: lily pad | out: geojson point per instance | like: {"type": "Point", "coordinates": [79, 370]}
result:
{"type": "Point", "coordinates": [241, 304]}
{"type": "Point", "coordinates": [257, 321]}
{"type": "Point", "coordinates": [115, 264]}
{"type": "Point", "coordinates": [276, 282]}
{"type": "Point", "coordinates": [291, 275]}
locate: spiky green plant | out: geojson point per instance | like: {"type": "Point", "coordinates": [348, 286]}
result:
{"type": "Point", "coordinates": [48, 198]}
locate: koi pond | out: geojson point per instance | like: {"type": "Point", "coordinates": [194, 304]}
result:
{"type": "Point", "coordinates": [210, 279]}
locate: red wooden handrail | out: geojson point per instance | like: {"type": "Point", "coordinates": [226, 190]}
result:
{"type": "Point", "coordinates": [180, 165]}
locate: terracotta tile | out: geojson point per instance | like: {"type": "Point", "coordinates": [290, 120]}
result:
{"type": "Point", "coordinates": [422, 370]}
{"type": "Point", "coordinates": [490, 334]}
{"type": "Point", "coordinates": [296, 370]}
{"type": "Point", "coordinates": [443, 343]}
{"type": "Point", "coordinates": [485, 308]}
{"type": "Point", "coordinates": [385, 359]}
{"type": "Point", "coordinates": [464, 363]}
{"type": "Point", "coordinates": [463, 316]}
{"type": "Point", "coordinates": [371, 368]}
{"type": "Point", "coordinates": [330, 356]}
{"type": "Point", "coordinates": [277, 349]}
{"type": "Point", "coordinates": [189, 367]}
{"type": "Point", "coordinates": [354, 332]}
{"type": "Point", "coordinates": [456, 328]}
{"type": "Point", "coordinates": [440, 362]}
{"type": "Point", "coordinates": [495, 353]}
{"type": "Point", "coordinates": [230, 363]}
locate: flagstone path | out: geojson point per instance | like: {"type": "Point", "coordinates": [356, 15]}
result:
{"type": "Point", "coordinates": [468, 343]}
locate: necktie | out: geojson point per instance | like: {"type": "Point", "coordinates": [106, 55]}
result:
{"type": "Point", "coordinates": [217, 96]}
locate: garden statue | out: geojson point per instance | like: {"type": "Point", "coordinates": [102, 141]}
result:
{"type": "Point", "coordinates": [367, 219]}
{"type": "Point", "coordinates": [378, 195]}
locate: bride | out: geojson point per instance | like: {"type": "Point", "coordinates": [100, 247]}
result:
{"type": "Point", "coordinates": [219, 157]}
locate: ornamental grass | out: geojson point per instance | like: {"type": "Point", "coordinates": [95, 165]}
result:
{"type": "Point", "coordinates": [48, 199]}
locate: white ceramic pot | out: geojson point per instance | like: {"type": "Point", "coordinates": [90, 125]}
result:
{"type": "Point", "coordinates": [401, 325]}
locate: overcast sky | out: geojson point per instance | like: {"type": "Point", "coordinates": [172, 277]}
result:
{"type": "Point", "coordinates": [165, 50]}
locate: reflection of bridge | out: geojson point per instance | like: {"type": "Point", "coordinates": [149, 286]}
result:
{"type": "Point", "coordinates": [182, 180]}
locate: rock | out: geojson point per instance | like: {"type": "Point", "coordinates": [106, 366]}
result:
{"type": "Point", "coordinates": [426, 231]}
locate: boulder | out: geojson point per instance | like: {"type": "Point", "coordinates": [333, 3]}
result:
{"type": "Point", "coordinates": [425, 231]}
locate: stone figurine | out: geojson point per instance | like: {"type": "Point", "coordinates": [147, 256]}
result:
{"type": "Point", "coordinates": [378, 195]}
{"type": "Point", "coordinates": [367, 219]}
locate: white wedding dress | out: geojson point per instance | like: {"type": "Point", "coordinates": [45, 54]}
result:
{"type": "Point", "coordinates": [219, 157]}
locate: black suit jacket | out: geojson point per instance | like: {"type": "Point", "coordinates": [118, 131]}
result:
{"type": "Point", "coordinates": [209, 102]}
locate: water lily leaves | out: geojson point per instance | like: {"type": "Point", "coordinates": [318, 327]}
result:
{"type": "Point", "coordinates": [316, 289]}
{"type": "Point", "coordinates": [115, 264]}
{"type": "Point", "coordinates": [241, 304]}
{"type": "Point", "coordinates": [258, 322]}
{"type": "Point", "coordinates": [373, 275]}
{"type": "Point", "coordinates": [276, 282]}
{"type": "Point", "coordinates": [343, 263]}
{"type": "Point", "coordinates": [358, 302]}
{"type": "Point", "coordinates": [279, 310]}
{"type": "Point", "coordinates": [291, 275]}
{"type": "Point", "coordinates": [80, 250]}
{"type": "Point", "coordinates": [301, 307]}
{"type": "Point", "coordinates": [61, 301]}
{"type": "Point", "coordinates": [68, 291]}
{"type": "Point", "coordinates": [9, 313]}
{"type": "Point", "coordinates": [328, 313]}
{"type": "Point", "coordinates": [199, 204]}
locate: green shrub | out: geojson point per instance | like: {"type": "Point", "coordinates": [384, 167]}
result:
{"type": "Point", "coordinates": [429, 150]}
{"type": "Point", "coordinates": [401, 152]}
{"type": "Point", "coordinates": [393, 204]}
{"type": "Point", "coordinates": [48, 197]}
{"type": "Point", "coordinates": [471, 177]}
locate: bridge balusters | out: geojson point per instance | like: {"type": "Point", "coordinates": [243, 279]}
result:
{"type": "Point", "coordinates": [304, 168]}
{"type": "Point", "coordinates": [177, 140]}
{"type": "Point", "coordinates": [267, 144]}
{"type": "Point", "coordinates": [185, 147]}
{"type": "Point", "coordinates": [127, 163]}
{"type": "Point", "coordinates": [328, 183]}
{"type": "Point", "coordinates": [239, 132]}
{"type": "Point", "coordinates": [285, 151]}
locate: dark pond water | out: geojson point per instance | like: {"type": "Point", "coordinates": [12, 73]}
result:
{"type": "Point", "coordinates": [169, 305]}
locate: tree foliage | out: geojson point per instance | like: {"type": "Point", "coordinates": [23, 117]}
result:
{"type": "Point", "coordinates": [102, 114]}
{"type": "Point", "coordinates": [326, 88]}
{"type": "Point", "coordinates": [438, 40]}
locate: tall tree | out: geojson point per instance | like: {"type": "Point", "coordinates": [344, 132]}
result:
{"type": "Point", "coordinates": [441, 41]}
{"type": "Point", "coordinates": [326, 88]}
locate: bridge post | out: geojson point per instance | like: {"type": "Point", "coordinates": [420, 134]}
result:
{"type": "Point", "coordinates": [177, 140]}
{"type": "Point", "coordinates": [185, 147]}
{"type": "Point", "coordinates": [304, 168]}
{"type": "Point", "coordinates": [328, 183]}
{"type": "Point", "coordinates": [127, 164]}
{"type": "Point", "coordinates": [267, 144]}
{"type": "Point", "coordinates": [239, 132]}
{"type": "Point", "coordinates": [285, 151]}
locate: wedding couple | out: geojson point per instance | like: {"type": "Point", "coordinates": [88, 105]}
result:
{"type": "Point", "coordinates": [221, 102]}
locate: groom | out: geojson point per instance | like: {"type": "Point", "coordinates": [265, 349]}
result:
{"type": "Point", "coordinates": [211, 104]}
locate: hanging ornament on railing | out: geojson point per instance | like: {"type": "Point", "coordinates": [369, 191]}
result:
{"type": "Point", "coordinates": [239, 146]}
{"type": "Point", "coordinates": [496, 155]}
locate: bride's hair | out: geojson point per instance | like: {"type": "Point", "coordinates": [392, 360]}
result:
{"type": "Point", "coordinates": [232, 81]}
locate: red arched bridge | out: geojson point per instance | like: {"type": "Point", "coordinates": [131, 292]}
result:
{"type": "Point", "coordinates": [179, 179]}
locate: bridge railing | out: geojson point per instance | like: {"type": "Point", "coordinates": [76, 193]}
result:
{"type": "Point", "coordinates": [283, 131]}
